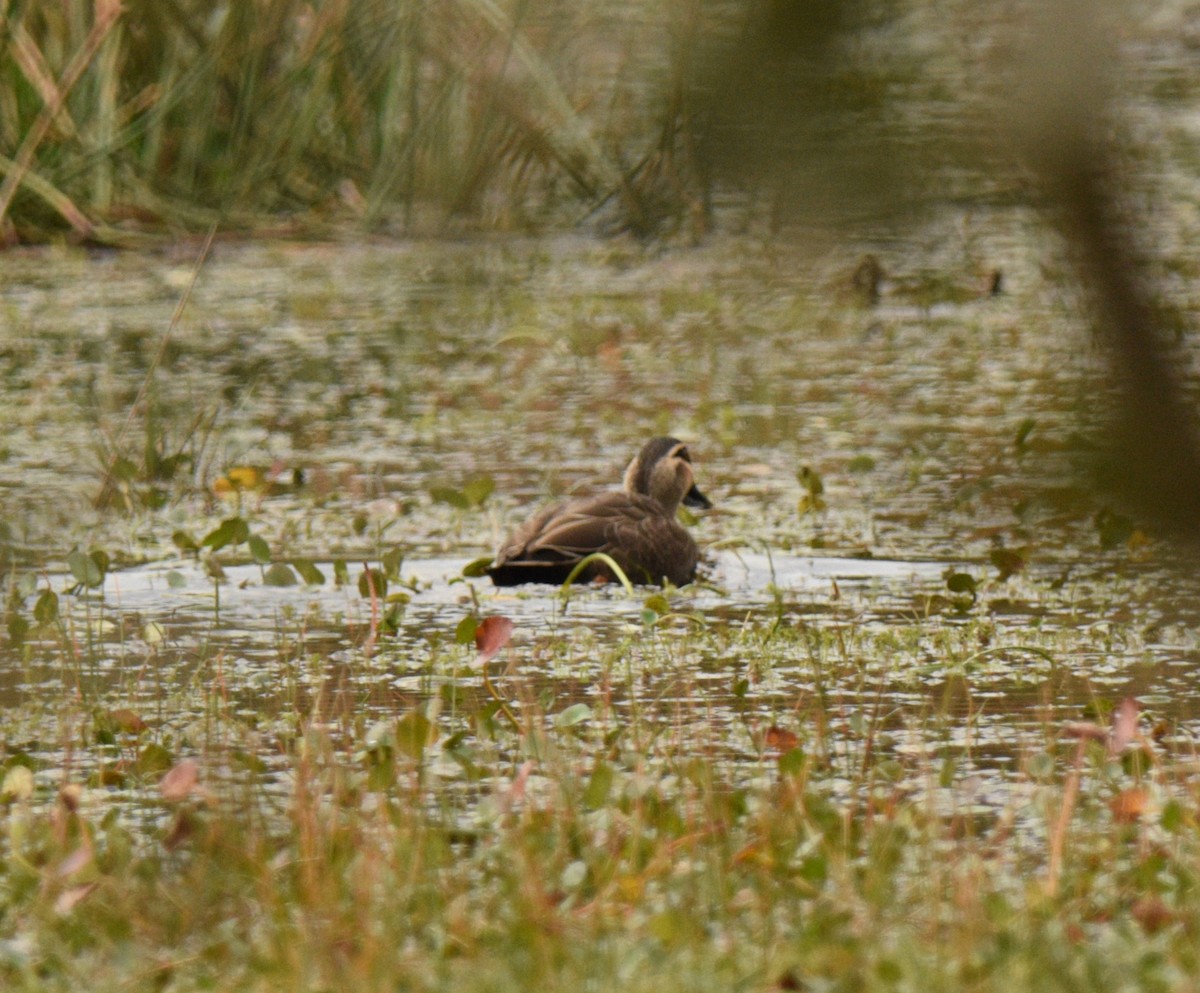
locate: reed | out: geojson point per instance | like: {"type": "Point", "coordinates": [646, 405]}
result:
{"type": "Point", "coordinates": [119, 119]}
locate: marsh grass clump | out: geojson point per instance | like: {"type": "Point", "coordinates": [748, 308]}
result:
{"type": "Point", "coordinates": [188, 114]}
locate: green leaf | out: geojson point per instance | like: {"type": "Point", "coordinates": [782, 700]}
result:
{"type": "Point", "coordinates": [86, 571]}
{"type": "Point", "coordinates": [372, 583]}
{"type": "Point", "coordinates": [478, 490]}
{"type": "Point", "coordinates": [658, 603]}
{"type": "Point", "coordinates": [961, 582]}
{"type": "Point", "coordinates": [154, 758]}
{"type": "Point", "coordinates": [18, 784]}
{"type": "Point", "coordinates": [810, 479]}
{"type": "Point", "coordinates": [18, 628]}
{"type": "Point", "coordinates": [260, 551]}
{"type": "Point", "coordinates": [464, 633]}
{"type": "Point", "coordinates": [599, 786]}
{"type": "Point", "coordinates": [45, 609]}
{"type": "Point", "coordinates": [311, 575]}
{"type": "Point", "coordinates": [176, 580]}
{"type": "Point", "coordinates": [791, 762]}
{"type": "Point", "coordinates": [451, 496]}
{"type": "Point", "coordinates": [391, 560]}
{"type": "Point", "coordinates": [341, 573]}
{"type": "Point", "coordinates": [232, 531]}
{"type": "Point", "coordinates": [185, 542]}
{"type": "Point", "coordinates": [477, 568]}
{"type": "Point", "coordinates": [577, 713]}
{"type": "Point", "coordinates": [1007, 561]}
{"type": "Point", "coordinates": [860, 464]}
{"type": "Point", "coordinates": [414, 732]}
{"type": "Point", "coordinates": [280, 574]}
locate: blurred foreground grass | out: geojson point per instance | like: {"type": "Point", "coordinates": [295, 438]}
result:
{"type": "Point", "coordinates": [591, 847]}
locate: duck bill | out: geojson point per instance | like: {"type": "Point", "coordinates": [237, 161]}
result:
{"type": "Point", "coordinates": [694, 498]}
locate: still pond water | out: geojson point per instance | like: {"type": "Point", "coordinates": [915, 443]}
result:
{"type": "Point", "coordinates": [372, 386]}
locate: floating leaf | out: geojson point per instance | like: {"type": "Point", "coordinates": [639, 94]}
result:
{"type": "Point", "coordinates": [45, 609]}
{"type": "Point", "coordinates": [280, 574]}
{"type": "Point", "coordinates": [185, 542]}
{"type": "Point", "coordinates": [961, 582]}
{"type": "Point", "coordinates": [414, 732]}
{"type": "Point", "coordinates": [810, 479]}
{"type": "Point", "coordinates": [492, 634]}
{"type": "Point", "coordinates": [153, 633]}
{"type": "Point", "coordinates": [450, 496]}
{"type": "Point", "coordinates": [154, 758]}
{"type": "Point", "coordinates": [18, 628]}
{"type": "Point", "coordinates": [658, 604]}
{"type": "Point", "coordinates": [477, 568]}
{"type": "Point", "coordinates": [477, 490]}
{"type": "Point", "coordinates": [260, 551]}
{"type": "Point", "coordinates": [86, 570]}
{"type": "Point", "coordinates": [341, 572]}
{"type": "Point", "coordinates": [792, 762]}
{"type": "Point", "coordinates": [18, 784]}
{"type": "Point", "coordinates": [372, 584]}
{"type": "Point", "coordinates": [179, 781]}
{"type": "Point", "coordinates": [595, 795]}
{"type": "Point", "coordinates": [1007, 561]}
{"type": "Point", "coordinates": [391, 560]}
{"type": "Point", "coordinates": [860, 464]}
{"type": "Point", "coordinates": [176, 580]}
{"type": "Point", "coordinates": [232, 531]}
{"type": "Point", "coordinates": [577, 713]}
{"type": "Point", "coordinates": [311, 575]}
{"type": "Point", "coordinates": [464, 632]}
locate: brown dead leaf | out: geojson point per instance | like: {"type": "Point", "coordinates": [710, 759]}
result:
{"type": "Point", "coordinates": [1152, 914]}
{"type": "Point", "coordinates": [780, 739]}
{"type": "Point", "coordinates": [1128, 806]}
{"type": "Point", "coordinates": [126, 720]}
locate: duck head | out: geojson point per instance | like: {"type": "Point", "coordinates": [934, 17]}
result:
{"type": "Point", "coordinates": [663, 470]}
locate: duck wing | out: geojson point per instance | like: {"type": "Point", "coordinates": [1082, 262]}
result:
{"type": "Point", "coordinates": [632, 530]}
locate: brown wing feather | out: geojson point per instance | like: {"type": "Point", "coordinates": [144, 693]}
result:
{"type": "Point", "coordinates": [633, 530]}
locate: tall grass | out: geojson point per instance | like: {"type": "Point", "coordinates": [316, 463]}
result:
{"type": "Point", "coordinates": [611, 852]}
{"type": "Point", "coordinates": [188, 113]}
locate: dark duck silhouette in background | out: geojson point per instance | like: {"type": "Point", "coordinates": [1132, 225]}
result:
{"type": "Point", "coordinates": [635, 527]}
